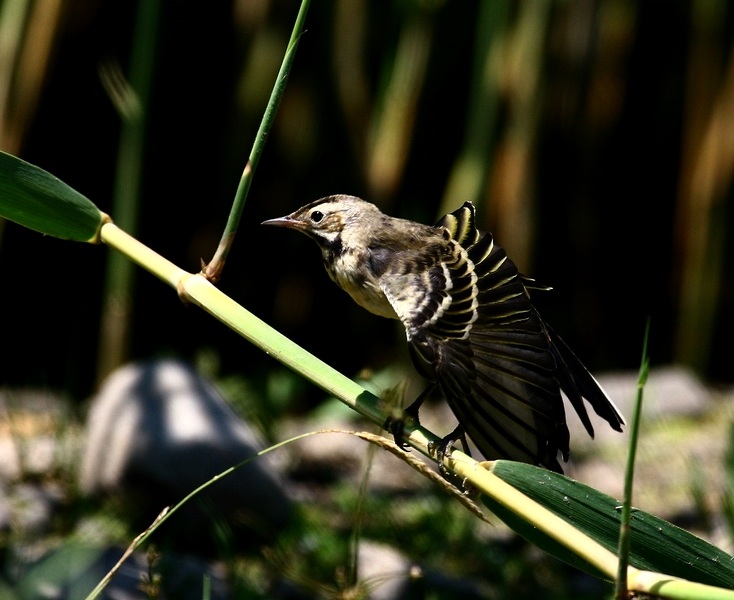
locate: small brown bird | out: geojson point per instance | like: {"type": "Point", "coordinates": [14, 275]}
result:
{"type": "Point", "coordinates": [471, 327]}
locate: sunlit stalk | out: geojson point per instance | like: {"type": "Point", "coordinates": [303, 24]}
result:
{"type": "Point", "coordinates": [213, 270]}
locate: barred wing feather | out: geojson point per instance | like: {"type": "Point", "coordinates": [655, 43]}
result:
{"type": "Point", "coordinates": [499, 366]}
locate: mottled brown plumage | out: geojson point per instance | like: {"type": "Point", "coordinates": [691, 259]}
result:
{"type": "Point", "coordinates": [470, 325]}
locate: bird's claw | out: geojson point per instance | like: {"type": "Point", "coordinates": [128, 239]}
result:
{"type": "Point", "coordinates": [396, 425]}
{"type": "Point", "coordinates": [443, 449]}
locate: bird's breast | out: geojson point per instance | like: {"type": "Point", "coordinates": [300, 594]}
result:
{"type": "Point", "coordinates": [351, 272]}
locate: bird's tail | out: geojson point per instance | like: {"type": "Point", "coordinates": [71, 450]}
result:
{"type": "Point", "coordinates": [578, 384]}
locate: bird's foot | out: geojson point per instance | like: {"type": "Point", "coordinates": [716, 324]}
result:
{"type": "Point", "coordinates": [396, 423]}
{"type": "Point", "coordinates": [443, 448]}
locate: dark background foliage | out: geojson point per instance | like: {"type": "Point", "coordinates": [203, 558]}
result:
{"type": "Point", "coordinates": [605, 168]}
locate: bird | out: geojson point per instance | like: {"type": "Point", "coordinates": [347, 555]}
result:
{"type": "Point", "coordinates": [471, 327]}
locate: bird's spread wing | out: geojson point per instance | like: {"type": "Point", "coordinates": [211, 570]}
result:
{"type": "Point", "coordinates": [473, 330]}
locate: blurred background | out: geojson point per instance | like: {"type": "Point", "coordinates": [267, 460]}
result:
{"type": "Point", "coordinates": [596, 138]}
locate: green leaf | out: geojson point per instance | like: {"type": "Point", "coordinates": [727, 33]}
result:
{"type": "Point", "coordinates": [36, 199]}
{"type": "Point", "coordinates": [656, 545]}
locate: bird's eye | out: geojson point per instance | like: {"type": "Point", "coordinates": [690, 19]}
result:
{"type": "Point", "coordinates": [316, 216]}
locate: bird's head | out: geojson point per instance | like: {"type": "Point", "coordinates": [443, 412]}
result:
{"type": "Point", "coordinates": [332, 219]}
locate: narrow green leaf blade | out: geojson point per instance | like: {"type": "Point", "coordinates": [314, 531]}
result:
{"type": "Point", "coordinates": [36, 199]}
{"type": "Point", "coordinates": [656, 544]}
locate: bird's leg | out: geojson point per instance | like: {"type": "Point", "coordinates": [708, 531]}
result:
{"type": "Point", "coordinates": [442, 447]}
{"type": "Point", "coordinates": [396, 425]}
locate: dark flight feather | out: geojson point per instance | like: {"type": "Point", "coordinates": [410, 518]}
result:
{"type": "Point", "coordinates": [500, 367]}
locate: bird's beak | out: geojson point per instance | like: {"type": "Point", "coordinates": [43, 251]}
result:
{"type": "Point", "coordinates": [287, 221]}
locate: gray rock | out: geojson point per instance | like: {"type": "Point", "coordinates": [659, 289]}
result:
{"type": "Point", "coordinates": [384, 571]}
{"type": "Point", "coordinates": [157, 430]}
{"type": "Point", "coordinates": [387, 574]}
